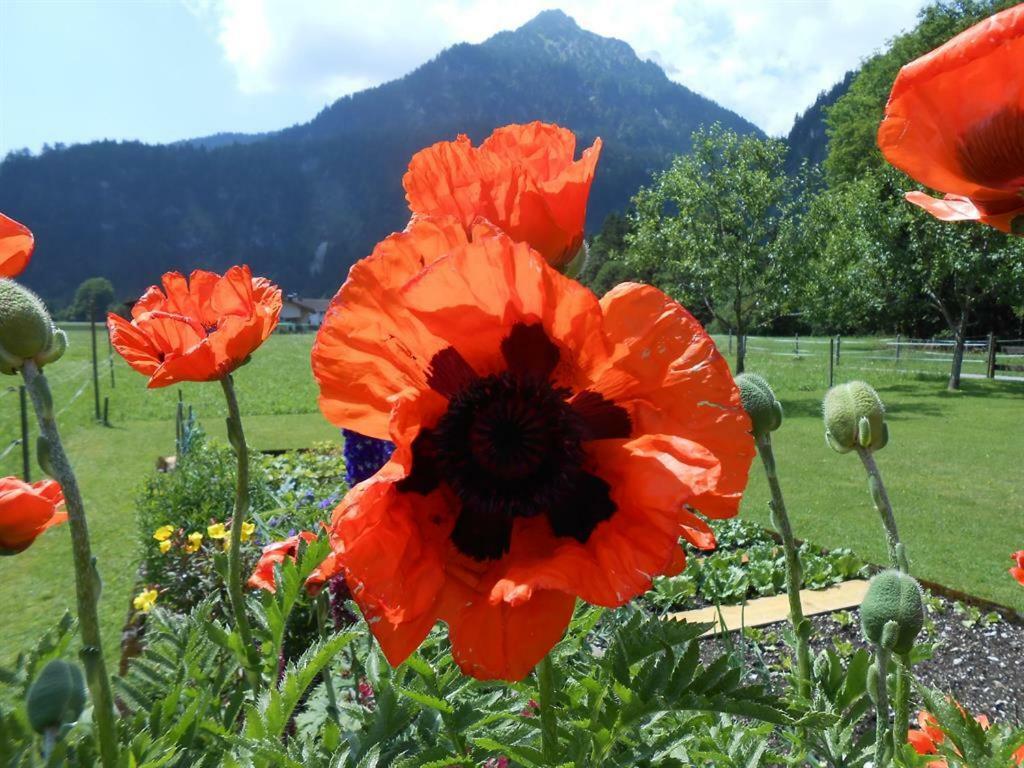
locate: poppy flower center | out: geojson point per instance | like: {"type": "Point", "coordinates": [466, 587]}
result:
{"type": "Point", "coordinates": [510, 446]}
{"type": "Point", "coordinates": [992, 151]}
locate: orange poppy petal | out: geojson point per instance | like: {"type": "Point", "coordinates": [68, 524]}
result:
{"type": "Point", "coordinates": [651, 478]}
{"type": "Point", "coordinates": [133, 345]}
{"type": "Point", "coordinates": [523, 178]}
{"type": "Point", "coordinates": [16, 244]}
{"type": "Point", "coordinates": [921, 742]}
{"type": "Point", "coordinates": [955, 118]}
{"type": "Point", "coordinates": [26, 511]}
{"type": "Point", "coordinates": [197, 329]}
{"type": "Point", "coordinates": [499, 641]}
{"type": "Point", "coordinates": [1018, 570]}
{"type": "Point", "coordinates": [397, 639]}
{"type": "Point", "coordinates": [369, 348]}
{"type": "Point", "coordinates": [668, 373]}
{"type": "Point", "coordinates": [471, 297]}
{"type": "Point", "coordinates": [393, 544]}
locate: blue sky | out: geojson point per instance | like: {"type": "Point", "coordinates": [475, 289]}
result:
{"type": "Point", "coordinates": [163, 70]}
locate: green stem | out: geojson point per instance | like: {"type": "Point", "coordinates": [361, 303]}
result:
{"type": "Point", "coordinates": [321, 619]}
{"type": "Point", "coordinates": [236, 436]}
{"type": "Point", "coordinates": [794, 577]}
{"type": "Point", "coordinates": [884, 508]}
{"type": "Point", "coordinates": [548, 716]}
{"type": "Point", "coordinates": [87, 582]}
{"type": "Point", "coordinates": [882, 709]}
{"type": "Point", "coordinates": [901, 715]}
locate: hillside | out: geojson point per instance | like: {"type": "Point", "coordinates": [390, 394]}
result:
{"type": "Point", "coordinates": [808, 138]}
{"type": "Point", "coordinates": [300, 205]}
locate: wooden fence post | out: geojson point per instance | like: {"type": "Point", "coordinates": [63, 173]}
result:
{"type": "Point", "coordinates": [839, 344]}
{"type": "Point", "coordinates": [110, 358]}
{"type": "Point", "coordinates": [897, 347]}
{"type": "Point", "coordinates": [730, 341]}
{"type": "Point", "coordinates": [95, 370]}
{"type": "Point", "coordinates": [990, 356]}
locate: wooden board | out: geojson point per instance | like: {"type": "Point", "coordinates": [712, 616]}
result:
{"type": "Point", "coordinates": [769, 610]}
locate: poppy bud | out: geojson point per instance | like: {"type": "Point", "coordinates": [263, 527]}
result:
{"type": "Point", "coordinates": [854, 417]}
{"type": "Point", "coordinates": [759, 402]}
{"type": "Point", "coordinates": [57, 696]}
{"type": "Point", "coordinates": [893, 599]}
{"type": "Point", "coordinates": [822, 667]}
{"type": "Point", "coordinates": [26, 330]}
{"type": "Point", "coordinates": [873, 683]}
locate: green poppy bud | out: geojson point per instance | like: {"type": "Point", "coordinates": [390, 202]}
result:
{"type": "Point", "coordinates": [854, 417]}
{"type": "Point", "coordinates": [873, 683]}
{"type": "Point", "coordinates": [57, 696]}
{"type": "Point", "coordinates": [760, 404]}
{"type": "Point", "coordinates": [892, 597]}
{"type": "Point", "coordinates": [26, 330]}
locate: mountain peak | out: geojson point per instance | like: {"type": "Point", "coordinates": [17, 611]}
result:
{"type": "Point", "coordinates": [551, 22]}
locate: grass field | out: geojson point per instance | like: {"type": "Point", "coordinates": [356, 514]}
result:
{"type": "Point", "coordinates": [952, 466]}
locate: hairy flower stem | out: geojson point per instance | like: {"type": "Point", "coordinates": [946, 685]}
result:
{"type": "Point", "coordinates": [884, 508]}
{"type": "Point", "coordinates": [898, 560]}
{"type": "Point", "coordinates": [87, 581]}
{"type": "Point", "coordinates": [882, 730]}
{"type": "Point", "coordinates": [548, 716]}
{"type": "Point", "coordinates": [322, 608]}
{"type": "Point", "coordinates": [794, 576]}
{"type": "Point", "coordinates": [901, 713]}
{"type": "Point", "coordinates": [237, 439]}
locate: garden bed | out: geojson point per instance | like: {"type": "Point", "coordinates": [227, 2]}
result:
{"type": "Point", "coordinates": [976, 657]}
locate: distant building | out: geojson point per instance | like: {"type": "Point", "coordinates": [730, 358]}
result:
{"type": "Point", "coordinates": [303, 312]}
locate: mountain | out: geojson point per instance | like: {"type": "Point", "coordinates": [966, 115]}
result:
{"type": "Point", "coordinates": [301, 204]}
{"type": "Point", "coordinates": [808, 139]}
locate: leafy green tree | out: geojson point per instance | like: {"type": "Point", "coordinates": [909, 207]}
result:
{"type": "Point", "coordinates": [853, 120]}
{"type": "Point", "coordinates": [711, 229]}
{"type": "Point", "coordinates": [876, 261]}
{"type": "Point", "coordinates": [93, 299]}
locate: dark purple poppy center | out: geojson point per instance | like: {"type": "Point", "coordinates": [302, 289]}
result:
{"type": "Point", "coordinates": [992, 151]}
{"type": "Point", "coordinates": [510, 445]}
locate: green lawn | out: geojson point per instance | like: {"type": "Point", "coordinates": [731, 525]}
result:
{"type": "Point", "coordinates": [952, 466]}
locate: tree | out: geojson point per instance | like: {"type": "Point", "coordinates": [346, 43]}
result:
{"type": "Point", "coordinates": [93, 299]}
{"type": "Point", "coordinates": [710, 228]}
{"type": "Point", "coordinates": [873, 256]}
{"type": "Point", "coordinates": [853, 120]}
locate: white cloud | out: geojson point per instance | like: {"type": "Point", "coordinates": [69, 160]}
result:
{"type": "Point", "coordinates": [766, 59]}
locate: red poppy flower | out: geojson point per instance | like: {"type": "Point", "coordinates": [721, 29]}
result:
{"type": "Point", "coordinates": [548, 446]}
{"type": "Point", "coordinates": [26, 510]}
{"type": "Point", "coordinates": [198, 329]}
{"type": "Point", "coordinates": [273, 555]}
{"type": "Point", "coordinates": [16, 244]}
{"type": "Point", "coordinates": [1018, 570]}
{"type": "Point", "coordinates": [955, 122]}
{"type": "Point", "coordinates": [523, 178]}
{"type": "Point", "coordinates": [929, 736]}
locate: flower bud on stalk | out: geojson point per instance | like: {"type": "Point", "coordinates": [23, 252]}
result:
{"type": "Point", "coordinates": [759, 402]}
{"type": "Point", "coordinates": [26, 329]}
{"type": "Point", "coordinates": [57, 696]}
{"type": "Point", "coordinates": [854, 418]}
{"type": "Point", "coordinates": [892, 613]}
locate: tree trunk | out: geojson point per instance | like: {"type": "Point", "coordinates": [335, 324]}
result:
{"type": "Point", "coordinates": [741, 350]}
{"type": "Point", "coordinates": [958, 351]}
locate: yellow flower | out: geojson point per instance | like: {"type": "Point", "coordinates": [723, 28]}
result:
{"type": "Point", "coordinates": [163, 533]}
{"type": "Point", "coordinates": [145, 600]}
{"type": "Point", "coordinates": [247, 531]}
{"type": "Point", "coordinates": [216, 531]}
{"type": "Point", "coordinates": [165, 546]}
{"type": "Point", "coordinates": [194, 541]}
{"type": "Point", "coordinates": [227, 544]}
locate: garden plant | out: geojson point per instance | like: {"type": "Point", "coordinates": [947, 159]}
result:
{"type": "Point", "coordinates": [532, 477]}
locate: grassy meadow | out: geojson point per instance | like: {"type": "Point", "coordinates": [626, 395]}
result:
{"type": "Point", "coordinates": [952, 466]}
